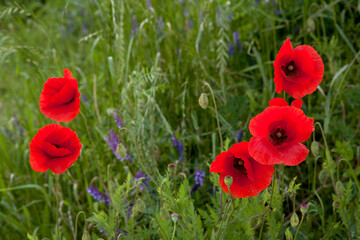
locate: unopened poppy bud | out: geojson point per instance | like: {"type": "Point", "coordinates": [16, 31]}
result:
{"type": "Point", "coordinates": [175, 217]}
{"type": "Point", "coordinates": [86, 235]}
{"type": "Point", "coordinates": [121, 150]}
{"type": "Point", "coordinates": [171, 167]}
{"type": "Point", "coordinates": [294, 220]}
{"type": "Point", "coordinates": [315, 148]}
{"type": "Point", "coordinates": [228, 180]}
{"type": "Point", "coordinates": [304, 208]}
{"type": "Point", "coordinates": [203, 101]}
{"type": "Point", "coordinates": [340, 189]}
{"type": "Point", "coordinates": [336, 204]}
{"type": "Point", "coordinates": [323, 176]}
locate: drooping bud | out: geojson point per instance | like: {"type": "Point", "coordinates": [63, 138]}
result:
{"type": "Point", "coordinates": [175, 217]}
{"type": "Point", "coordinates": [294, 220]}
{"type": "Point", "coordinates": [121, 150]}
{"type": "Point", "coordinates": [336, 204]}
{"type": "Point", "coordinates": [228, 180]}
{"type": "Point", "coordinates": [203, 101]}
{"type": "Point", "coordinates": [340, 189]}
{"type": "Point", "coordinates": [171, 167]}
{"type": "Point", "coordinates": [315, 148]}
{"type": "Point", "coordinates": [304, 208]}
{"type": "Point", "coordinates": [323, 176]}
{"type": "Point", "coordinates": [182, 174]}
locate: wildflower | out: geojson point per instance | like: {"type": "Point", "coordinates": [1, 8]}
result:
{"type": "Point", "coordinates": [160, 23]}
{"type": "Point", "coordinates": [236, 37]}
{"type": "Point", "coordinates": [298, 71]}
{"type": "Point", "coordinates": [175, 217]}
{"type": "Point", "coordinates": [97, 195]}
{"type": "Point", "coordinates": [199, 177]}
{"type": "Point", "coordinates": [179, 147]}
{"type": "Point", "coordinates": [134, 28]}
{"type": "Point", "coordinates": [149, 4]}
{"type": "Point", "coordinates": [144, 178]}
{"type": "Point", "coordinates": [231, 51]}
{"type": "Point", "coordinates": [82, 96]}
{"type": "Point", "coordinates": [249, 176]}
{"type": "Point", "coordinates": [278, 132]}
{"type": "Point", "coordinates": [119, 122]}
{"type": "Point", "coordinates": [60, 98]}
{"type": "Point", "coordinates": [113, 142]}
{"type": "Point", "coordinates": [55, 147]}
{"type": "Point", "coordinates": [238, 134]}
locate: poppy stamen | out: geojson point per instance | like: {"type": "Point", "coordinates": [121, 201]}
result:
{"type": "Point", "coordinates": [278, 136]}
{"type": "Point", "coordinates": [239, 165]}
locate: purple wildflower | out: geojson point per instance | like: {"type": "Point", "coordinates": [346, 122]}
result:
{"type": "Point", "coordinates": [149, 4]}
{"type": "Point", "coordinates": [179, 147]}
{"type": "Point", "coordinates": [144, 181]}
{"type": "Point", "coordinates": [277, 11]}
{"type": "Point", "coordinates": [190, 23]}
{"type": "Point", "coordinates": [97, 195]}
{"type": "Point", "coordinates": [119, 122]}
{"type": "Point", "coordinates": [82, 96]}
{"type": "Point", "coordinates": [129, 208]}
{"type": "Point", "coordinates": [231, 16]}
{"type": "Point", "coordinates": [231, 50]}
{"type": "Point", "coordinates": [199, 177]}
{"type": "Point", "coordinates": [134, 28]}
{"type": "Point", "coordinates": [84, 28]}
{"type": "Point", "coordinates": [160, 23]}
{"type": "Point", "coordinates": [296, 30]}
{"type": "Point", "coordinates": [238, 134]}
{"type": "Point", "coordinates": [113, 141]}
{"type": "Point", "coordinates": [257, 2]}
{"type": "Point", "coordinates": [236, 37]}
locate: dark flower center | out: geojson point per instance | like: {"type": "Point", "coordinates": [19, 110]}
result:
{"type": "Point", "coordinates": [57, 146]}
{"type": "Point", "coordinates": [239, 165]}
{"type": "Point", "coordinates": [278, 136]}
{"type": "Point", "coordinates": [289, 69]}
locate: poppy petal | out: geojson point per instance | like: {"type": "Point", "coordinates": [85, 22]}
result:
{"type": "Point", "coordinates": [297, 103]}
{"type": "Point", "coordinates": [280, 102]}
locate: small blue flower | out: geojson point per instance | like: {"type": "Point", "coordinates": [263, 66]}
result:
{"type": "Point", "coordinates": [179, 147]}
{"type": "Point", "coordinates": [236, 37]}
{"type": "Point", "coordinates": [231, 50]}
{"type": "Point", "coordinates": [97, 195]}
{"type": "Point", "coordinates": [144, 181]}
{"type": "Point", "coordinates": [134, 28]}
{"type": "Point", "coordinates": [82, 96]}
{"type": "Point", "coordinates": [238, 134]}
{"type": "Point", "coordinates": [149, 4]}
{"type": "Point", "coordinates": [119, 122]}
{"type": "Point", "coordinates": [199, 177]}
{"type": "Point", "coordinates": [113, 141]}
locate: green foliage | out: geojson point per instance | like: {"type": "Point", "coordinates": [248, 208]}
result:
{"type": "Point", "coordinates": [149, 65]}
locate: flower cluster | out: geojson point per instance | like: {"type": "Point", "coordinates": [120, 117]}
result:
{"type": "Point", "coordinates": [97, 195]}
{"type": "Point", "coordinates": [199, 179]}
{"type": "Point", "coordinates": [56, 147]}
{"type": "Point", "coordinates": [179, 147]}
{"type": "Point", "coordinates": [277, 132]}
{"type": "Point", "coordinates": [113, 142]}
{"type": "Point", "coordinates": [144, 180]}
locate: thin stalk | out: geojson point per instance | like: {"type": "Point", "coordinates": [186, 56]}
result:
{"type": "Point", "coordinates": [297, 231]}
{"type": "Point", "coordinates": [76, 221]}
{"type": "Point", "coordinates": [57, 205]}
{"type": "Point", "coordinates": [139, 156]}
{"type": "Point", "coordinates": [152, 207]}
{"type": "Point", "coordinates": [173, 235]}
{"type": "Point", "coordinates": [216, 113]}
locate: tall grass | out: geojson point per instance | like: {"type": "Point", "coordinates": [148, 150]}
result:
{"type": "Point", "coordinates": [150, 63]}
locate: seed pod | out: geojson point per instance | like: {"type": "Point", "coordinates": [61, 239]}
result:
{"type": "Point", "coordinates": [336, 204]}
{"type": "Point", "coordinates": [203, 101]}
{"type": "Point", "coordinates": [228, 180]}
{"type": "Point", "coordinates": [171, 167]}
{"type": "Point", "coordinates": [323, 176]}
{"type": "Point", "coordinates": [340, 189]}
{"type": "Point", "coordinates": [294, 220]}
{"type": "Point", "coordinates": [315, 148]}
{"type": "Point", "coordinates": [121, 150]}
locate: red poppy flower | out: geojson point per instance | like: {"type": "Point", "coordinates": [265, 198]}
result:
{"type": "Point", "coordinates": [55, 147]}
{"type": "Point", "coordinates": [249, 176]}
{"type": "Point", "coordinates": [278, 132]}
{"type": "Point", "coordinates": [60, 98]}
{"type": "Point", "coordinates": [297, 71]}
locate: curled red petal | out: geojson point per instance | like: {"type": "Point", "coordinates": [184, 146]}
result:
{"type": "Point", "coordinates": [297, 103]}
{"type": "Point", "coordinates": [278, 102]}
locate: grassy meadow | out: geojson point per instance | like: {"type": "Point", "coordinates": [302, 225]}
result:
{"type": "Point", "coordinates": [148, 62]}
